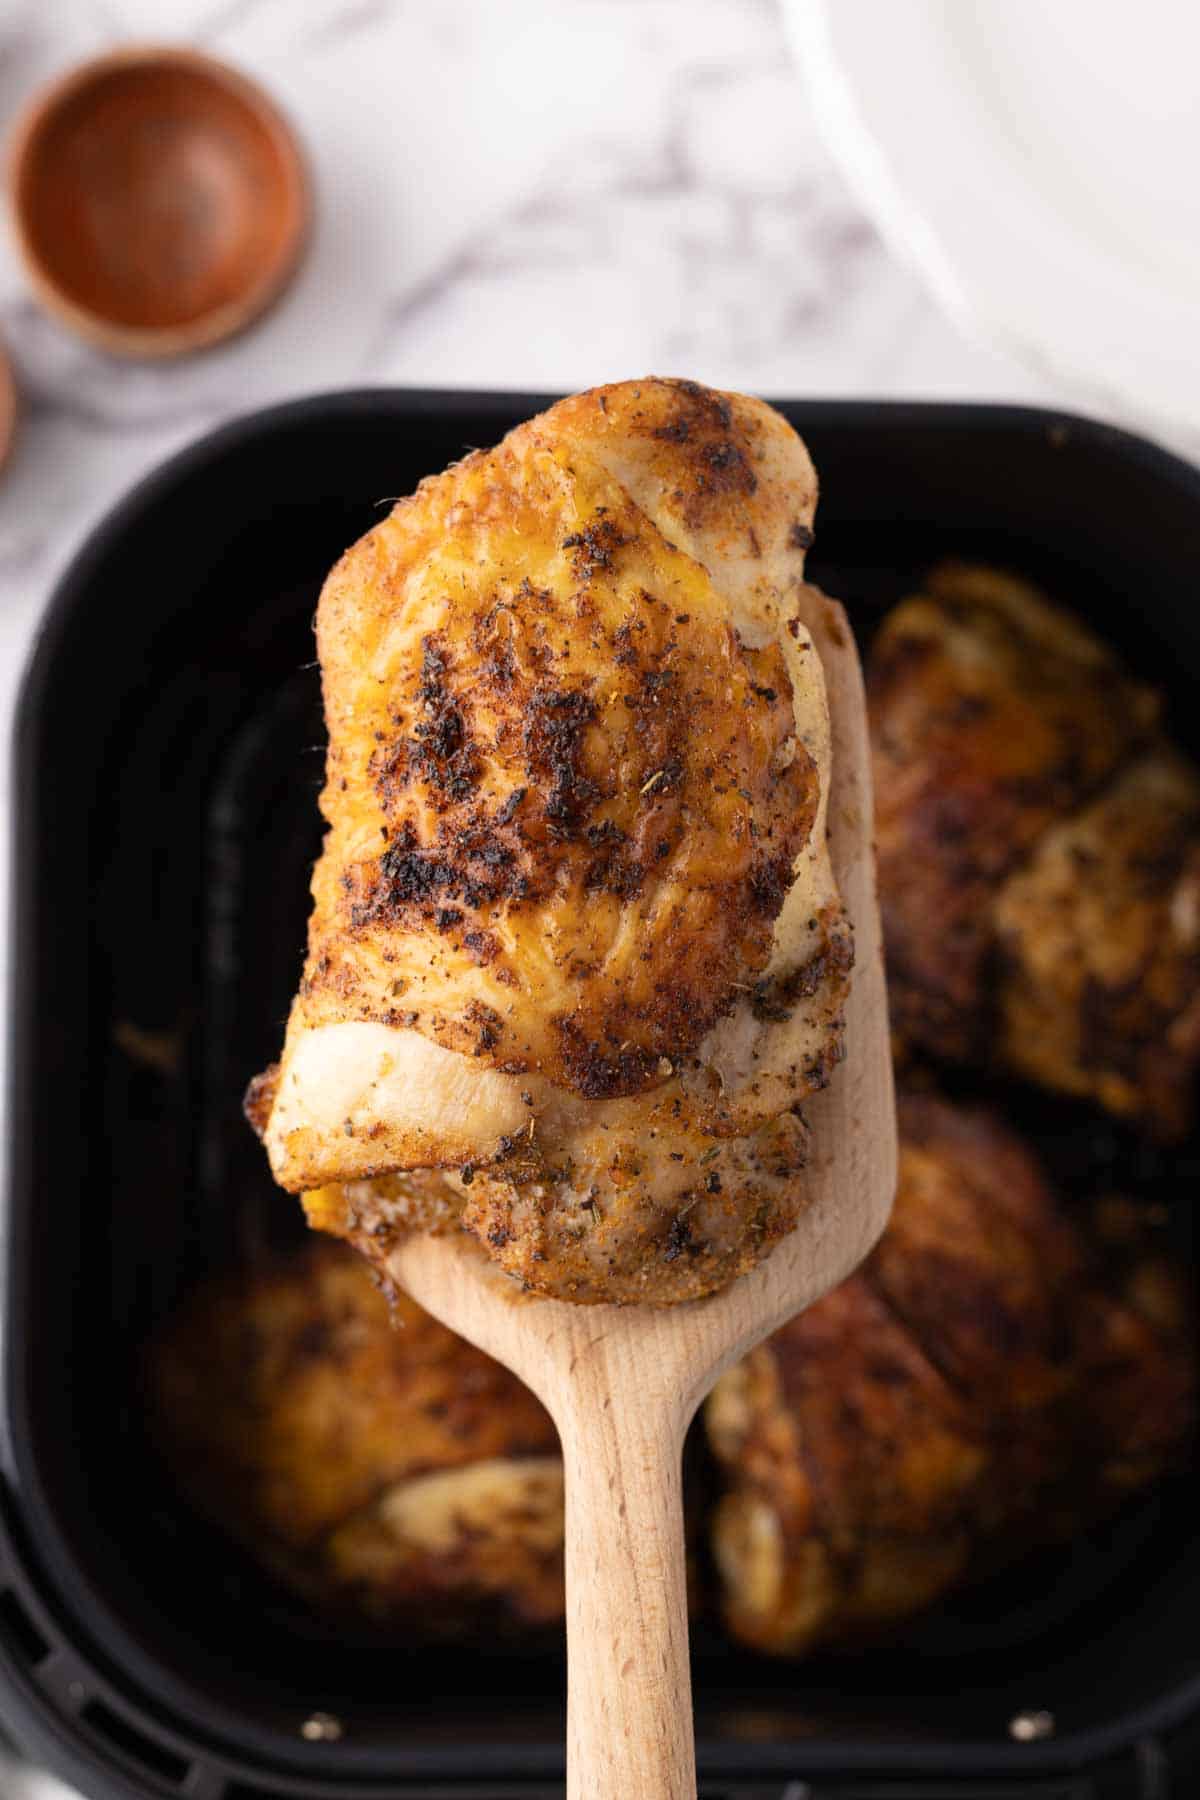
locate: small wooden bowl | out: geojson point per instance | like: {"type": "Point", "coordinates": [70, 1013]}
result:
{"type": "Point", "coordinates": [8, 406]}
{"type": "Point", "coordinates": [160, 200]}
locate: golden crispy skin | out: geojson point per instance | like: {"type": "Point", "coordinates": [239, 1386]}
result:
{"type": "Point", "coordinates": [1098, 980]}
{"type": "Point", "coordinates": [373, 1215]}
{"type": "Point", "coordinates": [565, 797]}
{"type": "Point", "coordinates": [993, 714]}
{"type": "Point", "coordinates": [977, 1257]}
{"type": "Point", "coordinates": [379, 1464]}
{"type": "Point", "coordinates": [992, 1378]}
{"type": "Point", "coordinates": [575, 940]}
{"type": "Point", "coordinates": [850, 1464]}
{"type": "Point", "coordinates": [459, 1552]}
{"type": "Point", "coordinates": [589, 1235]}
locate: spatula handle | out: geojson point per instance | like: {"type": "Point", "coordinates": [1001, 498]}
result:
{"type": "Point", "coordinates": [629, 1687]}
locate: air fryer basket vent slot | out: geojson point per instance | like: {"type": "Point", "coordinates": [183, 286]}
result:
{"type": "Point", "coordinates": [19, 1631]}
{"type": "Point", "coordinates": [134, 1744]}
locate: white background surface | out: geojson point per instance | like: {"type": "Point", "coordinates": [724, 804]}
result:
{"type": "Point", "coordinates": [1038, 162]}
{"type": "Point", "coordinates": [516, 193]}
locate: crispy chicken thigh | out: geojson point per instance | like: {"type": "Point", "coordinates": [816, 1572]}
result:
{"type": "Point", "coordinates": [996, 1378]}
{"type": "Point", "coordinates": [1039, 850]}
{"type": "Point", "coordinates": [992, 715]}
{"type": "Point", "coordinates": [575, 953]}
{"type": "Point", "coordinates": [993, 1378]}
{"type": "Point", "coordinates": [1098, 977]}
{"type": "Point", "coordinates": [382, 1466]}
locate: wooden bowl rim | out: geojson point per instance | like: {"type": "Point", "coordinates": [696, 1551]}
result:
{"type": "Point", "coordinates": [10, 405]}
{"type": "Point", "coordinates": [221, 321]}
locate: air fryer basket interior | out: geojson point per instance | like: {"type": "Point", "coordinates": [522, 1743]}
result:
{"type": "Point", "coordinates": [169, 756]}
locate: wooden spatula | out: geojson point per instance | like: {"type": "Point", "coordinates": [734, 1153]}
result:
{"type": "Point", "coordinates": [623, 1383]}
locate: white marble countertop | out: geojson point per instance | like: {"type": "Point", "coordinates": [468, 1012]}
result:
{"type": "Point", "coordinates": [510, 193]}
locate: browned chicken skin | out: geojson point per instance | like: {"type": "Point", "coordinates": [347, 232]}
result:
{"type": "Point", "coordinates": [1039, 850]}
{"type": "Point", "coordinates": [997, 1376]}
{"type": "Point", "coordinates": [985, 1383]}
{"type": "Point", "coordinates": [575, 955]}
{"type": "Point", "coordinates": [379, 1464]}
{"type": "Point", "coordinates": [1098, 939]}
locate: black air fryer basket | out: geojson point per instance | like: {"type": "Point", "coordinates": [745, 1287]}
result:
{"type": "Point", "coordinates": [168, 755]}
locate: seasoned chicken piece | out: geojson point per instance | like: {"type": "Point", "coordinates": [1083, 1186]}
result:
{"type": "Point", "coordinates": [587, 1230]}
{"type": "Point", "coordinates": [977, 1257]}
{"type": "Point", "coordinates": [383, 1467]}
{"type": "Point", "coordinates": [993, 715]}
{"type": "Point", "coordinates": [576, 954]}
{"type": "Point", "coordinates": [372, 1215]}
{"type": "Point", "coordinates": [1098, 978]}
{"type": "Point", "coordinates": [1135, 1360]}
{"type": "Point", "coordinates": [849, 1466]}
{"type": "Point", "coordinates": [993, 1378]}
{"type": "Point", "coordinates": [459, 1552]}
{"type": "Point", "coordinates": [1039, 851]}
